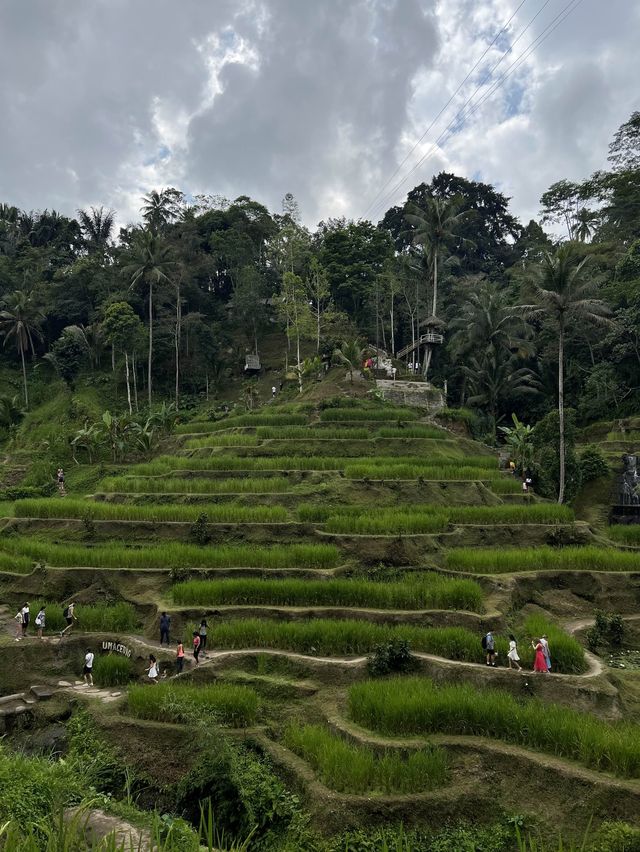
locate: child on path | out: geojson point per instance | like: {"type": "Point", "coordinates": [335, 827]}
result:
{"type": "Point", "coordinates": [196, 646]}
{"type": "Point", "coordinates": [69, 616]}
{"type": "Point", "coordinates": [540, 663]}
{"type": "Point", "coordinates": [152, 671]}
{"type": "Point", "coordinates": [180, 657]}
{"type": "Point", "coordinates": [512, 655]}
{"type": "Point", "coordinates": [40, 621]}
{"type": "Point", "coordinates": [88, 668]}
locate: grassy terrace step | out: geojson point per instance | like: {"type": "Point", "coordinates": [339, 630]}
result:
{"type": "Point", "coordinates": [93, 618]}
{"type": "Point", "coordinates": [505, 560]}
{"type": "Point", "coordinates": [431, 448]}
{"type": "Point", "coordinates": [183, 485]}
{"type": "Point", "coordinates": [429, 519]}
{"type": "Point", "coordinates": [242, 420]}
{"type": "Point", "coordinates": [327, 637]}
{"type": "Point", "coordinates": [218, 513]}
{"type": "Point", "coordinates": [220, 703]}
{"type": "Point", "coordinates": [350, 768]}
{"type": "Point", "coordinates": [417, 706]}
{"type": "Point", "coordinates": [625, 534]}
{"type": "Point", "coordinates": [170, 555]}
{"type": "Point", "coordinates": [372, 415]}
{"type": "Point", "coordinates": [424, 592]}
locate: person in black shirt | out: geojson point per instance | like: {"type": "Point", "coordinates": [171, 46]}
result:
{"type": "Point", "coordinates": [165, 624]}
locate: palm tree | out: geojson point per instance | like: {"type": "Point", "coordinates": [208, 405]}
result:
{"type": "Point", "coordinates": [583, 224]}
{"type": "Point", "coordinates": [161, 208]}
{"type": "Point", "coordinates": [97, 227]}
{"type": "Point", "coordinates": [150, 262]}
{"type": "Point", "coordinates": [563, 295]}
{"type": "Point", "coordinates": [21, 319]}
{"type": "Point", "coordinates": [434, 229]}
{"type": "Point", "coordinates": [351, 354]}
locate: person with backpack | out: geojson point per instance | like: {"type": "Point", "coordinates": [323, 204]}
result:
{"type": "Point", "coordinates": [40, 621]}
{"type": "Point", "coordinates": [69, 615]}
{"type": "Point", "coordinates": [165, 626]}
{"type": "Point", "coordinates": [489, 647]}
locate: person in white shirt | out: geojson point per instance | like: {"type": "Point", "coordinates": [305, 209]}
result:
{"type": "Point", "coordinates": [40, 621]}
{"type": "Point", "coordinates": [88, 668]}
{"type": "Point", "coordinates": [25, 618]}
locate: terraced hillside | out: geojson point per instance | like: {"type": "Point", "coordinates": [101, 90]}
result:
{"type": "Point", "coordinates": [347, 558]}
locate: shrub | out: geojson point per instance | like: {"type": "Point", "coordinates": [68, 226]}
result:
{"type": "Point", "coordinates": [225, 704]}
{"type": "Point", "coordinates": [592, 464]}
{"type": "Point", "coordinates": [392, 657]}
{"type": "Point", "coordinates": [199, 532]}
{"type": "Point", "coordinates": [423, 592]}
{"type": "Point", "coordinates": [417, 706]}
{"type": "Point", "coordinates": [112, 670]}
{"type": "Point", "coordinates": [350, 768]}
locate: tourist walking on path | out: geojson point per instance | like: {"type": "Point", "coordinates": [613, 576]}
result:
{"type": "Point", "coordinates": [202, 631]}
{"type": "Point", "coordinates": [489, 645]}
{"type": "Point", "coordinates": [180, 657]}
{"type": "Point", "coordinates": [512, 655]}
{"type": "Point", "coordinates": [540, 662]}
{"type": "Point", "coordinates": [60, 478]}
{"type": "Point", "coordinates": [545, 644]}
{"type": "Point", "coordinates": [40, 621]}
{"type": "Point", "coordinates": [69, 614]}
{"type": "Point", "coordinates": [196, 646]}
{"type": "Point", "coordinates": [165, 626]}
{"type": "Point", "coordinates": [25, 618]}
{"type": "Point", "coordinates": [88, 668]}
{"type": "Point", "coordinates": [18, 621]}
{"type": "Point", "coordinates": [152, 671]}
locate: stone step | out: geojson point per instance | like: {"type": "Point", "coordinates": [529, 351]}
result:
{"type": "Point", "coordinates": [42, 693]}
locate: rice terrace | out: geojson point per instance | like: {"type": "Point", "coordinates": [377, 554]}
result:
{"type": "Point", "coordinates": [319, 521]}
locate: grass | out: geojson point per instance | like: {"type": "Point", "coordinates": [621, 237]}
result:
{"type": "Point", "coordinates": [15, 564]}
{"type": "Point", "coordinates": [232, 440]}
{"type": "Point", "coordinates": [183, 485]}
{"type": "Point", "coordinates": [504, 560]}
{"type": "Point", "coordinates": [310, 433]}
{"type": "Point", "coordinates": [429, 591]}
{"type": "Point", "coordinates": [506, 485]}
{"type": "Point", "coordinates": [93, 618]}
{"type": "Point", "coordinates": [6, 509]}
{"type": "Point", "coordinates": [173, 555]}
{"type": "Point", "coordinates": [242, 420]}
{"type": "Point", "coordinates": [625, 533]}
{"type": "Point", "coordinates": [327, 637]}
{"type": "Point", "coordinates": [350, 768]}
{"type": "Point", "coordinates": [416, 431]}
{"type": "Point", "coordinates": [342, 415]}
{"type": "Point", "coordinates": [417, 706]}
{"type": "Point", "coordinates": [112, 670]}
{"type": "Point", "coordinates": [439, 469]}
{"type": "Point", "coordinates": [227, 513]}
{"type": "Point", "coordinates": [430, 519]}
{"type": "Point", "coordinates": [224, 704]}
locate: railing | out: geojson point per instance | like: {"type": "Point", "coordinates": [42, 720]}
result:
{"type": "Point", "coordinates": [429, 337]}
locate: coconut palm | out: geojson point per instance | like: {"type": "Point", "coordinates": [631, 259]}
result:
{"type": "Point", "coordinates": [149, 262]}
{"type": "Point", "coordinates": [564, 296]}
{"type": "Point", "coordinates": [161, 208]}
{"type": "Point", "coordinates": [21, 320]}
{"type": "Point", "coordinates": [351, 354]}
{"type": "Point", "coordinates": [96, 226]}
{"type": "Point", "coordinates": [583, 224]}
{"type": "Point", "coordinates": [434, 228]}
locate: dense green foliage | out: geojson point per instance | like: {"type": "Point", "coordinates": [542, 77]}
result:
{"type": "Point", "coordinates": [222, 703]}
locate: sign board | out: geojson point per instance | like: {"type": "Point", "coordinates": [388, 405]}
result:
{"type": "Point", "coordinates": [117, 648]}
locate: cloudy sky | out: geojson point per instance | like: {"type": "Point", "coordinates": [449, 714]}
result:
{"type": "Point", "coordinates": [102, 100]}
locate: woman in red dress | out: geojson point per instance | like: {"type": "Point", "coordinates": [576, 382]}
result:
{"type": "Point", "coordinates": [540, 662]}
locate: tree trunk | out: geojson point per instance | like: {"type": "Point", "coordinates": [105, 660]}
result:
{"type": "Point", "coordinates": [24, 379]}
{"type": "Point", "coordinates": [126, 368]}
{"type": "Point", "coordinates": [113, 358]}
{"type": "Point", "coordinates": [318, 327]}
{"type": "Point", "coordinates": [561, 409]}
{"type": "Point", "coordinates": [435, 284]}
{"type": "Point", "coordinates": [134, 367]}
{"type": "Point", "coordinates": [393, 334]}
{"type": "Point", "coordinates": [177, 343]}
{"type": "Point", "coordinates": [150, 342]}
{"type": "Point", "coordinates": [207, 386]}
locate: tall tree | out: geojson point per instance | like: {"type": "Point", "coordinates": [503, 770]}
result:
{"type": "Point", "coordinates": [161, 208]}
{"type": "Point", "coordinates": [21, 320]}
{"type": "Point", "coordinates": [96, 226]}
{"type": "Point", "coordinates": [564, 295]}
{"type": "Point", "coordinates": [121, 326]}
{"type": "Point", "coordinates": [150, 261]}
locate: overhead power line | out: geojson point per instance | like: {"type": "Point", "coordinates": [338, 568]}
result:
{"type": "Point", "coordinates": [461, 115]}
{"type": "Point", "coordinates": [428, 130]}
